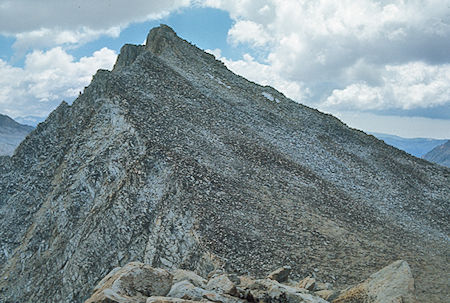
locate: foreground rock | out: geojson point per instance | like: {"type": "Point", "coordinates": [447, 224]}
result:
{"type": "Point", "coordinates": [392, 284]}
{"type": "Point", "coordinates": [140, 283]}
{"type": "Point", "coordinates": [280, 275]}
{"type": "Point", "coordinates": [134, 282]}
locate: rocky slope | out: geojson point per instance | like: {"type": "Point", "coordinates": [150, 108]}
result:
{"type": "Point", "coordinates": [440, 154]}
{"type": "Point", "coordinates": [11, 134]}
{"type": "Point", "coordinates": [172, 160]}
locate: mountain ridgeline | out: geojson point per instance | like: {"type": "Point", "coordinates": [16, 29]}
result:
{"type": "Point", "coordinates": [11, 134]}
{"type": "Point", "coordinates": [415, 146]}
{"type": "Point", "coordinates": [440, 154]}
{"type": "Point", "coordinates": [172, 160]}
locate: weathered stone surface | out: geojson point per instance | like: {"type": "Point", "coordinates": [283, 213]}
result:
{"type": "Point", "coordinates": [268, 290]}
{"type": "Point", "coordinates": [132, 283]}
{"type": "Point", "coordinates": [128, 53]}
{"type": "Point", "coordinates": [157, 299]}
{"type": "Point", "coordinates": [307, 283]}
{"type": "Point", "coordinates": [281, 274]}
{"type": "Point", "coordinates": [322, 286]}
{"type": "Point", "coordinates": [222, 284]}
{"type": "Point", "coordinates": [392, 284]}
{"type": "Point", "coordinates": [192, 277]}
{"type": "Point", "coordinates": [327, 294]}
{"type": "Point", "coordinates": [222, 298]}
{"type": "Point", "coordinates": [186, 290]}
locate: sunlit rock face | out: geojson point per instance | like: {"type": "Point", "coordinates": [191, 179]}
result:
{"type": "Point", "coordinates": [174, 161]}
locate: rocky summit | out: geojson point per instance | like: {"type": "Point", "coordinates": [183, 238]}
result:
{"type": "Point", "coordinates": [172, 160]}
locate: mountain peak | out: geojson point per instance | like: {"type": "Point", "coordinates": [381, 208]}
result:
{"type": "Point", "coordinates": [177, 162]}
{"type": "Point", "coordinates": [159, 37]}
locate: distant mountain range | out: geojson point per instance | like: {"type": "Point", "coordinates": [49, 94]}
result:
{"type": "Point", "coordinates": [11, 134]}
{"type": "Point", "coordinates": [414, 146]}
{"type": "Point", "coordinates": [30, 120]}
{"type": "Point", "coordinates": [440, 154]}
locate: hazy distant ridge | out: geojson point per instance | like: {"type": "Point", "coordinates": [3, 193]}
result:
{"type": "Point", "coordinates": [11, 134]}
{"type": "Point", "coordinates": [414, 146]}
{"type": "Point", "coordinates": [440, 154]}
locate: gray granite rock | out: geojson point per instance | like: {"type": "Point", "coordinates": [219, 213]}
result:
{"type": "Point", "coordinates": [132, 283]}
{"type": "Point", "coordinates": [392, 284]}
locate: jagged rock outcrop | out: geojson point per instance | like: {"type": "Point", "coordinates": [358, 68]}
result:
{"type": "Point", "coordinates": [137, 282]}
{"type": "Point", "coordinates": [11, 134]}
{"type": "Point", "coordinates": [172, 160]}
{"type": "Point", "coordinates": [440, 154]}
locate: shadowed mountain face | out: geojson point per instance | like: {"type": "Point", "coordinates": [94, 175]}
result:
{"type": "Point", "coordinates": [440, 154]}
{"type": "Point", "coordinates": [11, 134]}
{"type": "Point", "coordinates": [173, 160]}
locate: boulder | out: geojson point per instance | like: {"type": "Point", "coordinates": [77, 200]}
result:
{"type": "Point", "coordinates": [327, 294]}
{"type": "Point", "coordinates": [222, 284]}
{"type": "Point", "coordinates": [281, 274]}
{"type": "Point", "coordinates": [192, 277]}
{"type": "Point", "coordinates": [392, 284]}
{"type": "Point", "coordinates": [157, 299]}
{"type": "Point", "coordinates": [132, 283]}
{"type": "Point", "coordinates": [222, 298]}
{"type": "Point", "coordinates": [322, 286]}
{"type": "Point", "coordinates": [186, 290]}
{"type": "Point", "coordinates": [307, 283]}
{"type": "Point", "coordinates": [268, 290]}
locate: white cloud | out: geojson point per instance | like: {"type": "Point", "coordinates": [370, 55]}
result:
{"type": "Point", "coordinates": [54, 22]}
{"type": "Point", "coordinates": [248, 32]}
{"type": "Point", "coordinates": [45, 37]}
{"type": "Point", "coordinates": [342, 54]}
{"type": "Point", "coordinates": [263, 74]}
{"type": "Point", "coordinates": [46, 79]}
{"type": "Point", "coordinates": [406, 86]}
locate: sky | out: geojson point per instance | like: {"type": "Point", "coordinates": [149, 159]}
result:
{"type": "Point", "coordinates": [379, 66]}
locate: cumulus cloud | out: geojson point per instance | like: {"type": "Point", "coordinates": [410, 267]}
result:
{"type": "Point", "coordinates": [55, 22]}
{"type": "Point", "coordinates": [46, 79]}
{"type": "Point", "coordinates": [406, 86]}
{"type": "Point", "coordinates": [262, 74]}
{"type": "Point", "coordinates": [248, 32]}
{"type": "Point", "coordinates": [364, 54]}
{"type": "Point", "coordinates": [45, 37]}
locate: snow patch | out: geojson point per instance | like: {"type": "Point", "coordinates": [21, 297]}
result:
{"type": "Point", "coordinates": [218, 80]}
{"type": "Point", "coordinates": [270, 97]}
